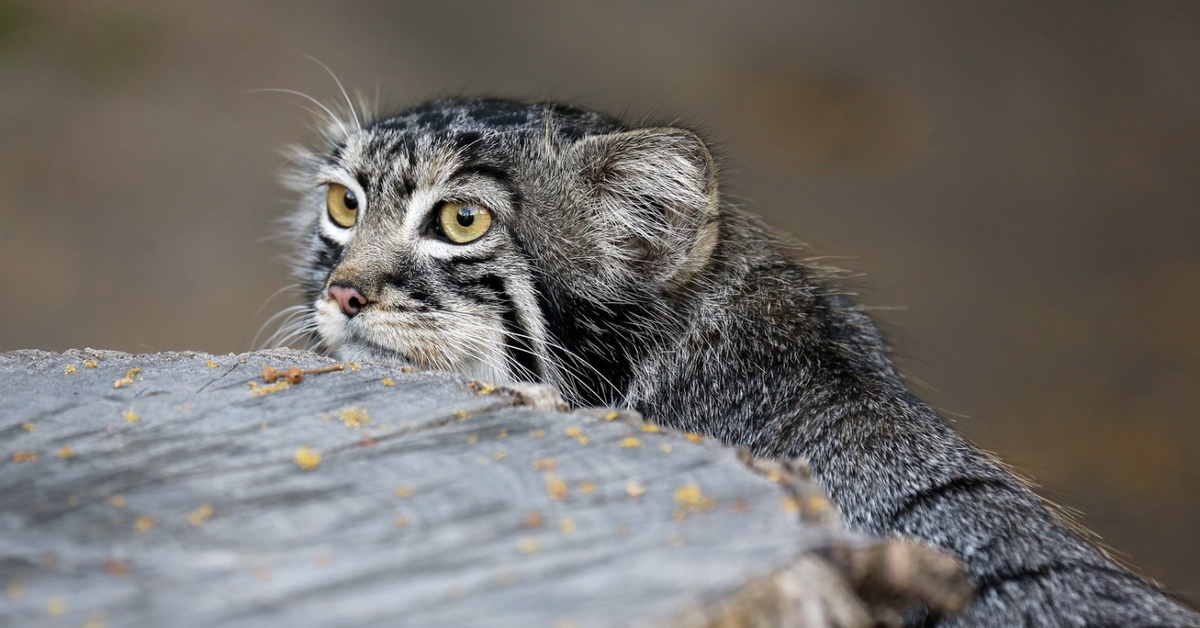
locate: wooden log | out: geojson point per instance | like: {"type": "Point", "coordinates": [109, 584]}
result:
{"type": "Point", "coordinates": [180, 489]}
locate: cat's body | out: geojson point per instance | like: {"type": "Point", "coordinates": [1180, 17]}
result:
{"type": "Point", "coordinates": [537, 242]}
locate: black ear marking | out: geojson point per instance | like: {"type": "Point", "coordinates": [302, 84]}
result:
{"type": "Point", "coordinates": [656, 192]}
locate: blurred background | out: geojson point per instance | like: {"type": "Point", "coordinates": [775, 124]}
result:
{"type": "Point", "coordinates": [1016, 186]}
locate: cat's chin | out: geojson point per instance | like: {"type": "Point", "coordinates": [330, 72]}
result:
{"type": "Point", "coordinates": [360, 351]}
{"type": "Point", "coordinates": [365, 352]}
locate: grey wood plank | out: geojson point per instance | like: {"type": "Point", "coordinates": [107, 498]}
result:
{"type": "Point", "coordinates": [434, 503]}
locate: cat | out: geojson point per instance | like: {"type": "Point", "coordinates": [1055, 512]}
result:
{"type": "Point", "coordinates": [539, 242]}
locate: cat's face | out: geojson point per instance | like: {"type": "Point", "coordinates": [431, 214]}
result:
{"type": "Point", "coordinates": [457, 235]}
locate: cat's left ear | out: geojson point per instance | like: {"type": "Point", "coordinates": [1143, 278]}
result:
{"type": "Point", "coordinates": [654, 194]}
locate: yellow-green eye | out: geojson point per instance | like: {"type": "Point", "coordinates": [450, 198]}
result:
{"type": "Point", "coordinates": [463, 223]}
{"type": "Point", "coordinates": [342, 204]}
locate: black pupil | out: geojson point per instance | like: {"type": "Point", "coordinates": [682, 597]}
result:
{"type": "Point", "coordinates": [350, 200]}
{"type": "Point", "coordinates": [466, 216]}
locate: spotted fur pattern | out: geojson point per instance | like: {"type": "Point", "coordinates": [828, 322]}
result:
{"type": "Point", "coordinates": [613, 271]}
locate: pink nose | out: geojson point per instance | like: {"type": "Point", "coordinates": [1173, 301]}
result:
{"type": "Point", "coordinates": [348, 297]}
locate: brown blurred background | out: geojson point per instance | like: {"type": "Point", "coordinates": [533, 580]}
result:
{"type": "Point", "coordinates": [1016, 183]}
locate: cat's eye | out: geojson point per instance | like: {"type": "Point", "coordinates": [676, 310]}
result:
{"type": "Point", "coordinates": [464, 222]}
{"type": "Point", "coordinates": [342, 205]}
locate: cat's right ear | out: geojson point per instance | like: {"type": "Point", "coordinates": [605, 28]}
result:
{"type": "Point", "coordinates": [653, 193]}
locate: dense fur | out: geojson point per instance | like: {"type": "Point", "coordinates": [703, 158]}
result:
{"type": "Point", "coordinates": [614, 272]}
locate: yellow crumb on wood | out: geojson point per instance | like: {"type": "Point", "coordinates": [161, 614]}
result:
{"type": "Point", "coordinates": [354, 366]}
{"type": "Point", "coordinates": [354, 417]}
{"type": "Point", "coordinates": [567, 526]}
{"type": "Point", "coordinates": [817, 504]}
{"type": "Point", "coordinates": [29, 426]}
{"type": "Point", "coordinates": [24, 456]}
{"type": "Point", "coordinates": [403, 492]}
{"type": "Point", "coordinates": [144, 523]}
{"type": "Point", "coordinates": [90, 364]}
{"type": "Point", "coordinates": [634, 489]}
{"type": "Point", "coordinates": [694, 438]}
{"type": "Point", "coordinates": [307, 458]}
{"type": "Point", "coordinates": [201, 514]}
{"type": "Point", "coordinates": [532, 520]}
{"type": "Point", "coordinates": [270, 388]}
{"type": "Point", "coordinates": [473, 439]}
{"type": "Point", "coordinates": [665, 447]}
{"type": "Point", "coordinates": [775, 475]}
{"type": "Point", "coordinates": [66, 452]}
{"type": "Point", "coordinates": [577, 434]}
{"type": "Point", "coordinates": [612, 416]}
{"type": "Point", "coordinates": [537, 434]}
{"type": "Point", "coordinates": [544, 464]}
{"type": "Point", "coordinates": [630, 442]}
{"type": "Point", "coordinates": [556, 487]}
{"type": "Point", "coordinates": [116, 501]}
{"type": "Point", "coordinates": [400, 521]}
{"type": "Point", "coordinates": [790, 504]}
{"type": "Point", "coordinates": [131, 416]}
{"type": "Point", "coordinates": [587, 488]}
{"type": "Point", "coordinates": [499, 455]}
{"type": "Point", "coordinates": [70, 369]}
{"type": "Point", "coordinates": [692, 498]}
{"type": "Point", "coordinates": [650, 427]}
{"type": "Point", "coordinates": [212, 365]}
{"type": "Point", "coordinates": [387, 381]}
{"type": "Point", "coordinates": [462, 414]}
{"type": "Point", "coordinates": [502, 434]}
{"type": "Point", "coordinates": [96, 620]}
{"type": "Point", "coordinates": [529, 545]}
{"type": "Point", "coordinates": [128, 379]}
{"type": "Point", "coordinates": [56, 606]}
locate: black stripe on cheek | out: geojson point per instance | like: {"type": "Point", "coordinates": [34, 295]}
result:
{"type": "Point", "coordinates": [328, 257]}
{"type": "Point", "coordinates": [517, 344]}
{"type": "Point", "coordinates": [516, 340]}
{"type": "Point", "coordinates": [415, 285]}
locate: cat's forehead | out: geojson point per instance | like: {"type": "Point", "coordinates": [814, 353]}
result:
{"type": "Point", "coordinates": [486, 117]}
{"type": "Point", "coordinates": [424, 144]}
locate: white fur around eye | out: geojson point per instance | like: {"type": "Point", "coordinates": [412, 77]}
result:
{"type": "Point", "coordinates": [329, 228]}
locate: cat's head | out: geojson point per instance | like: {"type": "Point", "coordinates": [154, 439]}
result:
{"type": "Point", "coordinates": [466, 235]}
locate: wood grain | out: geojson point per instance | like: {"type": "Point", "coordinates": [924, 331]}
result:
{"type": "Point", "coordinates": [179, 499]}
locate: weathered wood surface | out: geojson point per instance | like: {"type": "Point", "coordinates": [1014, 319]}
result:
{"type": "Point", "coordinates": [177, 499]}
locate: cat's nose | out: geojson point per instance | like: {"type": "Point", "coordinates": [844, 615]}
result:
{"type": "Point", "coordinates": [348, 297]}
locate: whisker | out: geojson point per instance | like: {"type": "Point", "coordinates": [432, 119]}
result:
{"type": "Point", "coordinates": [328, 112]}
{"type": "Point", "coordinates": [353, 112]}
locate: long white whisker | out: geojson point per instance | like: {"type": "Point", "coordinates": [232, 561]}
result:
{"type": "Point", "coordinates": [353, 112]}
{"type": "Point", "coordinates": [328, 112]}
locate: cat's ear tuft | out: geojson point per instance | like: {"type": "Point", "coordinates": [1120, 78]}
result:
{"type": "Point", "coordinates": [654, 198]}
